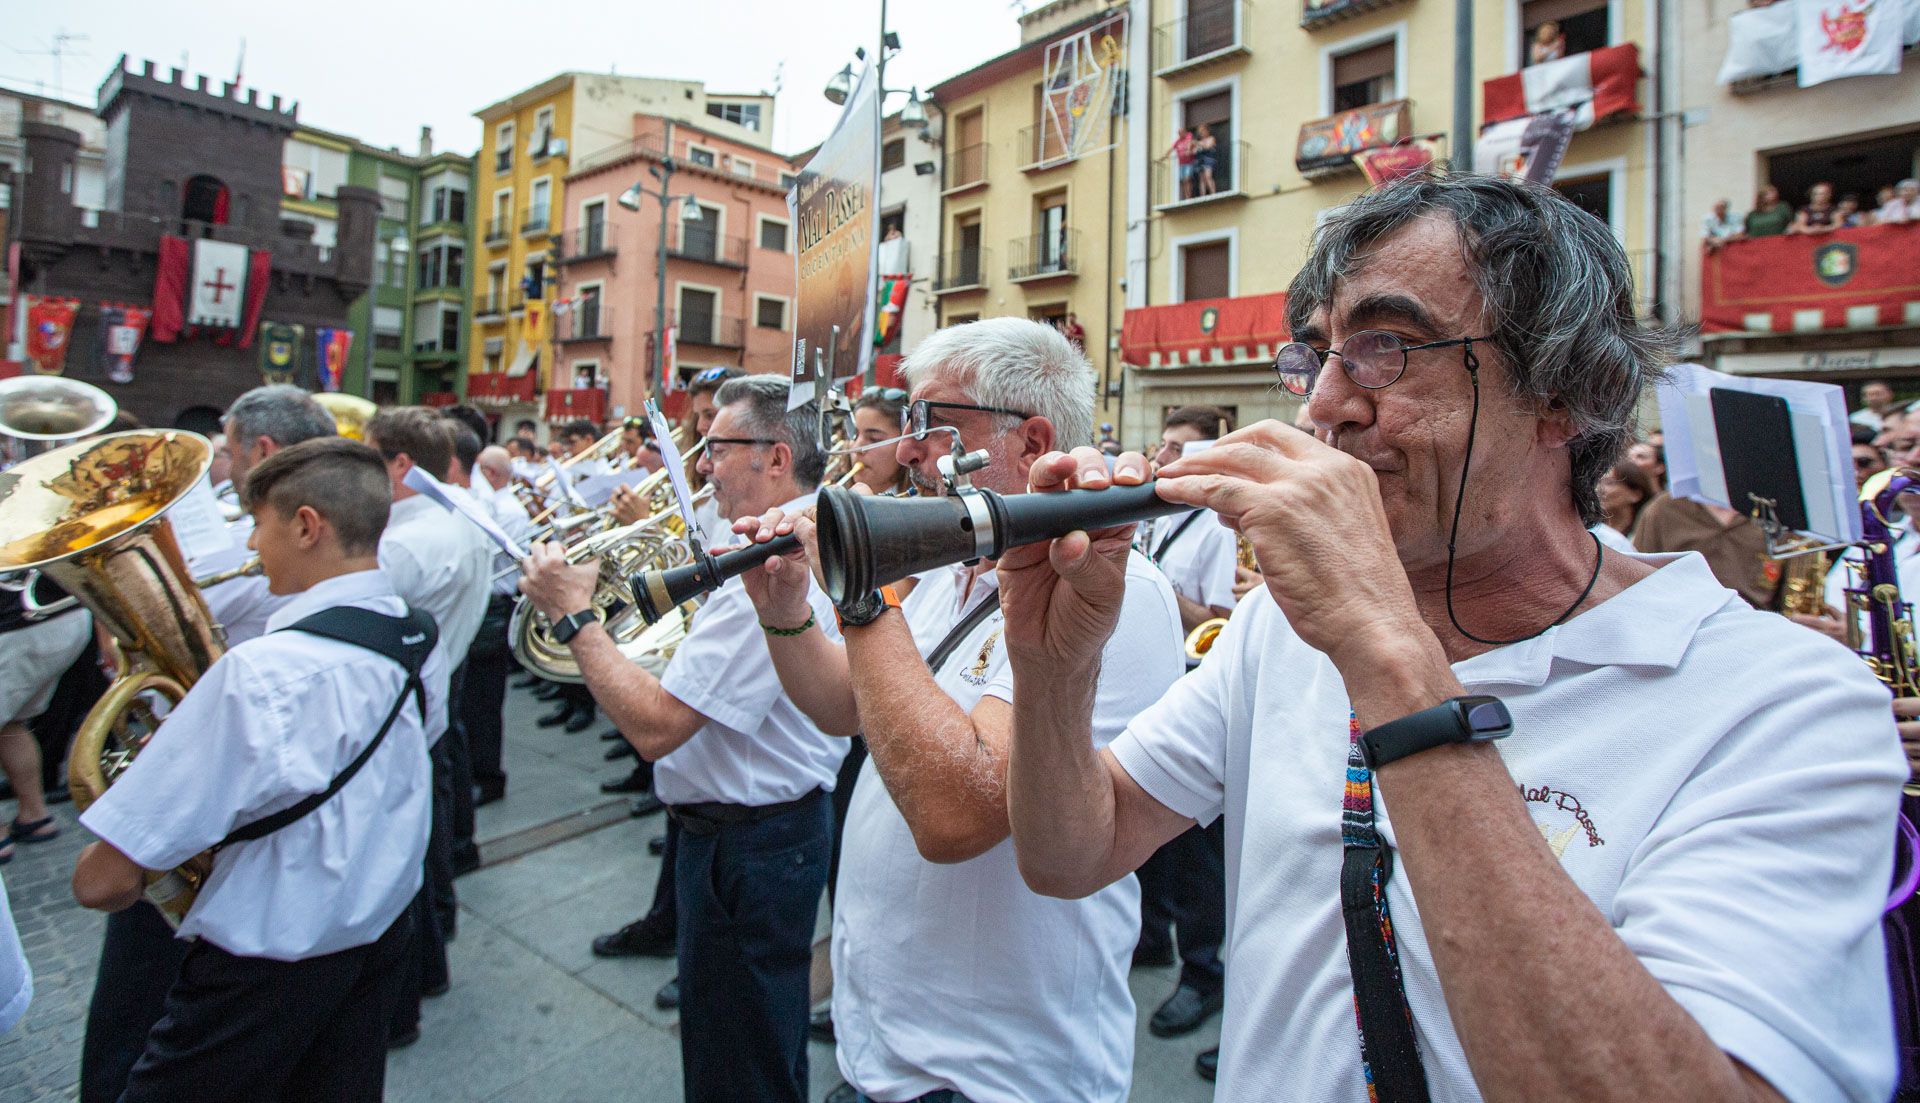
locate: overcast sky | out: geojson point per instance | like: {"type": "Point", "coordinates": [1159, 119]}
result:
{"type": "Point", "coordinates": [381, 69]}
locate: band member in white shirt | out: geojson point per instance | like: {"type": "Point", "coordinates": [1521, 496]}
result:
{"type": "Point", "coordinates": [1492, 792]}
{"type": "Point", "coordinates": [490, 661]}
{"type": "Point", "coordinates": [300, 758]}
{"type": "Point", "coordinates": [581, 435]}
{"type": "Point", "coordinates": [139, 957]}
{"type": "Point", "coordinates": [441, 566]}
{"type": "Point", "coordinates": [950, 975]}
{"type": "Point", "coordinates": [742, 770]}
{"type": "Point", "coordinates": [1195, 551]}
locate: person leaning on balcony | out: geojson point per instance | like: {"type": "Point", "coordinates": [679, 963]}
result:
{"type": "Point", "coordinates": [1182, 153]}
{"type": "Point", "coordinates": [1722, 225]}
{"type": "Point", "coordinates": [1206, 155]}
{"type": "Point", "coordinates": [1549, 44]}
{"type": "Point", "coordinates": [1770, 216]}
{"type": "Point", "coordinates": [1819, 215]}
{"type": "Point", "coordinates": [1904, 206]}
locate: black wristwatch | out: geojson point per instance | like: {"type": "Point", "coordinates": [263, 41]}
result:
{"type": "Point", "coordinates": [866, 609]}
{"type": "Point", "coordinates": [569, 626]}
{"type": "Point", "coordinates": [1456, 720]}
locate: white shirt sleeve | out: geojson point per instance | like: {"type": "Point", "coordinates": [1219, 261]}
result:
{"type": "Point", "coordinates": [722, 670]}
{"type": "Point", "coordinates": [1213, 568]}
{"type": "Point", "coordinates": [1727, 880]}
{"type": "Point", "coordinates": [217, 755]}
{"type": "Point", "coordinates": [405, 572]}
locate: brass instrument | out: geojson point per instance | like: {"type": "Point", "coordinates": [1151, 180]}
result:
{"type": "Point", "coordinates": [350, 412]}
{"type": "Point", "coordinates": [1803, 585]}
{"type": "Point", "coordinates": [39, 412]}
{"type": "Point", "coordinates": [245, 570]}
{"type": "Point", "coordinates": [1200, 640]}
{"type": "Point", "coordinates": [92, 516]}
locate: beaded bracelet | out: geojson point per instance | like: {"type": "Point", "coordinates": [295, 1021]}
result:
{"type": "Point", "coordinates": [771, 630]}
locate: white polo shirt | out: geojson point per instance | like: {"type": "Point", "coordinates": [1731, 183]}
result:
{"type": "Point", "coordinates": [1199, 561]}
{"type": "Point", "coordinates": [441, 565]}
{"type": "Point", "coordinates": [240, 605]}
{"type": "Point", "coordinates": [959, 976]}
{"type": "Point", "coordinates": [1721, 782]}
{"type": "Point", "coordinates": [272, 722]}
{"type": "Point", "coordinates": [507, 511]}
{"type": "Point", "coordinates": [756, 747]}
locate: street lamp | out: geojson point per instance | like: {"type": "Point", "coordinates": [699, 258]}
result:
{"type": "Point", "coordinates": [689, 212]}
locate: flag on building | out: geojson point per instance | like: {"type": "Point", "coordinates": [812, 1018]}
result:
{"type": "Point", "coordinates": [331, 347]}
{"type": "Point", "coordinates": [280, 352]}
{"type": "Point", "coordinates": [49, 332]}
{"type": "Point", "coordinates": [893, 301]}
{"type": "Point", "coordinates": [1593, 85]}
{"type": "Point", "coordinates": [533, 327]}
{"type": "Point", "coordinates": [1404, 159]}
{"type": "Point", "coordinates": [668, 367]}
{"type": "Point", "coordinates": [170, 288]}
{"type": "Point", "coordinates": [217, 294]}
{"type": "Point", "coordinates": [120, 330]}
{"type": "Point", "coordinates": [1847, 38]}
{"type": "Point", "coordinates": [1527, 148]}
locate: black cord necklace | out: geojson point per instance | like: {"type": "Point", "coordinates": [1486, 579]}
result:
{"type": "Point", "coordinates": [1453, 532]}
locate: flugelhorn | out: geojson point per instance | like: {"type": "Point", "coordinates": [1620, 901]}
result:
{"type": "Point", "coordinates": [350, 412]}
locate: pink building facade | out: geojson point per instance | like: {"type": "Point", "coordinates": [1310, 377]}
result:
{"type": "Point", "coordinates": [729, 274]}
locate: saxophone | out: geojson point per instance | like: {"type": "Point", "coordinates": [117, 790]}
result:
{"type": "Point", "coordinates": [1200, 640]}
{"type": "Point", "coordinates": [1887, 642]}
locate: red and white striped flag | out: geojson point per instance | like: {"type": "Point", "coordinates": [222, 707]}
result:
{"type": "Point", "coordinates": [1592, 85]}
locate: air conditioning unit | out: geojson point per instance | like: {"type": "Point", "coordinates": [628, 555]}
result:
{"type": "Point", "coordinates": [557, 147]}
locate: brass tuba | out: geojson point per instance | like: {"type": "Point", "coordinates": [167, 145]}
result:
{"type": "Point", "coordinates": [1200, 640]}
{"type": "Point", "coordinates": [350, 412]}
{"type": "Point", "coordinates": [92, 516]}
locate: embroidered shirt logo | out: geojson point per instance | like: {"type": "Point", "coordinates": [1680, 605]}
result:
{"type": "Point", "coordinates": [976, 675]}
{"type": "Point", "coordinates": [1560, 817]}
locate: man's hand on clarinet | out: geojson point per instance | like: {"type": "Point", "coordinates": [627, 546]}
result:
{"type": "Point", "coordinates": [1061, 598]}
{"type": "Point", "coordinates": [778, 587]}
{"type": "Point", "coordinates": [557, 588]}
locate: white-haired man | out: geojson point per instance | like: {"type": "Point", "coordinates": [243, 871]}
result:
{"type": "Point", "coordinates": [949, 974]}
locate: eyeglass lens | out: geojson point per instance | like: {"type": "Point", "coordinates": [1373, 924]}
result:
{"type": "Point", "coordinates": [1373, 358]}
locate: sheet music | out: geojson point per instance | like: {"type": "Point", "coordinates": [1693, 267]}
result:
{"type": "Point", "coordinates": [596, 490]}
{"type": "Point", "coordinates": [426, 484]}
{"type": "Point", "coordinates": [199, 525]}
{"type": "Point", "coordinates": [677, 475]}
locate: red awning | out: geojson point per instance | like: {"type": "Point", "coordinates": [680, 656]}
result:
{"type": "Point", "coordinates": [499, 388]}
{"type": "Point", "coordinates": [585, 402]}
{"type": "Point", "coordinates": [1846, 279]}
{"type": "Point", "coordinates": [1224, 332]}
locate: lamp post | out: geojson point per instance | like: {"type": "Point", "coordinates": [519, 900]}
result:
{"type": "Point", "coordinates": [398, 241]}
{"type": "Point", "coordinates": [689, 212]}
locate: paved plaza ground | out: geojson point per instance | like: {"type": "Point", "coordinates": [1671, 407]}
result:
{"type": "Point", "coordinates": [533, 1015]}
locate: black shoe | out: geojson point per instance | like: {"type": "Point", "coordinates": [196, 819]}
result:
{"type": "Point", "coordinates": [562, 713]}
{"type": "Point", "coordinates": [610, 735]}
{"type": "Point", "coordinates": [820, 1025]}
{"type": "Point", "coordinates": [668, 998]}
{"type": "Point", "coordinates": [637, 939]}
{"type": "Point", "coordinates": [466, 859]}
{"type": "Point", "coordinates": [580, 721]}
{"type": "Point", "coordinates": [403, 1039]}
{"type": "Point", "coordinates": [1207, 1065]}
{"type": "Point", "coordinates": [619, 751]}
{"type": "Point", "coordinates": [634, 782]}
{"type": "Point", "coordinates": [1184, 1011]}
{"type": "Point", "coordinates": [1152, 957]}
{"type": "Point", "coordinates": [646, 804]}
{"type": "Point", "coordinates": [657, 845]}
{"type": "Point", "coordinates": [486, 792]}
{"type": "Point", "coordinates": [546, 691]}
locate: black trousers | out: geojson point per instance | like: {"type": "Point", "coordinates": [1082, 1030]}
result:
{"type": "Point", "coordinates": [139, 961]}
{"type": "Point", "coordinates": [1184, 885]}
{"type": "Point", "coordinates": [748, 895]}
{"type": "Point", "coordinates": [252, 1030]}
{"type": "Point", "coordinates": [484, 696]}
{"type": "Point", "coordinates": [457, 789]}
{"type": "Point", "coordinates": [666, 902]}
{"type": "Point", "coordinates": [433, 906]}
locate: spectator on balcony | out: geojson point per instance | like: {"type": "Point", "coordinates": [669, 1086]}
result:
{"type": "Point", "coordinates": [1819, 215]}
{"type": "Point", "coordinates": [1847, 214]}
{"type": "Point", "coordinates": [1904, 206]}
{"type": "Point", "coordinates": [1549, 44]}
{"type": "Point", "coordinates": [1876, 401]}
{"type": "Point", "coordinates": [1770, 216]}
{"type": "Point", "coordinates": [1182, 153]}
{"type": "Point", "coordinates": [1722, 225]}
{"type": "Point", "coordinates": [1206, 156]}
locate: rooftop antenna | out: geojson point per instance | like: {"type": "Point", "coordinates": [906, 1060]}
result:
{"type": "Point", "coordinates": [61, 43]}
{"type": "Point", "coordinates": [240, 63]}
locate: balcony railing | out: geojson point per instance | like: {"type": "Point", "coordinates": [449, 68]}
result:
{"type": "Point", "coordinates": [499, 230]}
{"type": "Point", "coordinates": [1173, 188]}
{"type": "Point", "coordinates": [695, 242]}
{"type": "Point", "coordinates": [966, 168]}
{"type": "Point", "coordinates": [1209, 32]}
{"type": "Point", "coordinates": [1796, 284]}
{"type": "Point", "coordinates": [962, 270]}
{"type": "Point", "coordinates": [586, 243]}
{"type": "Point", "coordinates": [1044, 256]}
{"type": "Point", "coordinates": [1042, 147]}
{"type": "Point", "coordinates": [535, 220]}
{"type": "Point", "coordinates": [712, 330]}
{"type": "Point", "coordinates": [590, 322]}
{"type": "Point", "coordinates": [489, 304]}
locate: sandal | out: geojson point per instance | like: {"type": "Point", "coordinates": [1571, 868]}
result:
{"type": "Point", "coordinates": [31, 832]}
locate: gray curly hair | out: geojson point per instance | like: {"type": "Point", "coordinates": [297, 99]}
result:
{"type": "Point", "coordinates": [1557, 292]}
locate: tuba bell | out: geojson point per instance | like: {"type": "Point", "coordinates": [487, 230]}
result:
{"type": "Point", "coordinates": [92, 516]}
{"type": "Point", "coordinates": [350, 412]}
{"type": "Point", "coordinates": [40, 411]}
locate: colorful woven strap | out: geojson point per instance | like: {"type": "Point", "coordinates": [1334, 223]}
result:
{"type": "Point", "coordinates": [1389, 1055]}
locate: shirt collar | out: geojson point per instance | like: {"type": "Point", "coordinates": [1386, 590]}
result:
{"type": "Point", "coordinates": [1651, 623]}
{"type": "Point", "coordinates": [406, 509]}
{"type": "Point", "coordinates": [342, 589]}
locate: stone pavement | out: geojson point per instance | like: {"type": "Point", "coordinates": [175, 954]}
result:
{"type": "Point", "coordinates": [532, 1015]}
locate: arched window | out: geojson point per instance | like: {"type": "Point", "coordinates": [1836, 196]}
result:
{"type": "Point", "coordinates": [206, 200]}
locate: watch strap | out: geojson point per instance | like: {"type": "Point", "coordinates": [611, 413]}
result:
{"type": "Point", "coordinates": [570, 625]}
{"type": "Point", "coordinates": [867, 609]}
{"type": "Point", "coordinates": [1469, 719]}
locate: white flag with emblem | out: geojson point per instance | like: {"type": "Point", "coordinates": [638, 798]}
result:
{"type": "Point", "coordinates": [219, 284]}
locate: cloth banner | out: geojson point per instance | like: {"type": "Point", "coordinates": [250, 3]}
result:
{"type": "Point", "coordinates": [1409, 157]}
{"type": "Point", "coordinates": [1593, 85]}
{"type": "Point", "coordinates": [219, 284]}
{"type": "Point", "coordinates": [280, 352]}
{"type": "Point", "coordinates": [668, 360]}
{"type": "Point", "coordinates": [331, 347]}
{"type": "Point", "coordinates": [120, 330]}
{"type": "Point", "coordinates": [1862, 278]}
{"type": "Point", "coordinates": [1085, 76]}
{"type": "Point", "coordinates": [1763, 42]}
{"type": "Point", "coordinates": [1246, 330]}
{"type": "Point", "coordinates": [1528, 148]}
{"type": "Point", "coordinates": [1847, 38]}
{"type": "Point", "coordinates": [893, 299]}
{"type": "Point", "coordinates": [170, 288]}
{"type": "Point", "coordinates": [259, 273]}
{"type": "Point", "coordinates": [832, 209]}
{"type": "Point", "coordinates": [533, 326]}
{"type": "Point", "coordinates": [49, 332]}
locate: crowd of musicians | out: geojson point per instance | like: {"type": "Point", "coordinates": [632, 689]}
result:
{"type": "Point", "coordinates": [1466, 799]}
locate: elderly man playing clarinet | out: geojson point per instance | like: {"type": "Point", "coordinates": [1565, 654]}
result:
{"type": "Point", "coordinates": [1509, 816]}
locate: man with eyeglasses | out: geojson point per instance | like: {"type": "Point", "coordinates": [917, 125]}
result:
{"type": "Point", "coordinates": [1509, 815]}
{"type": "Point", "coordinates": [952, 980]}
{"type": "Point", "coordinates": [744, 772]}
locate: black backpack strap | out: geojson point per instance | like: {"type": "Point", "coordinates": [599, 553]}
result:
{"type": "Point", "coordinates": [1186, 522]}
{"type": "Point", "coordinates": [938, 657]}
{"type": "Point", "coordinates": [407, 641]}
